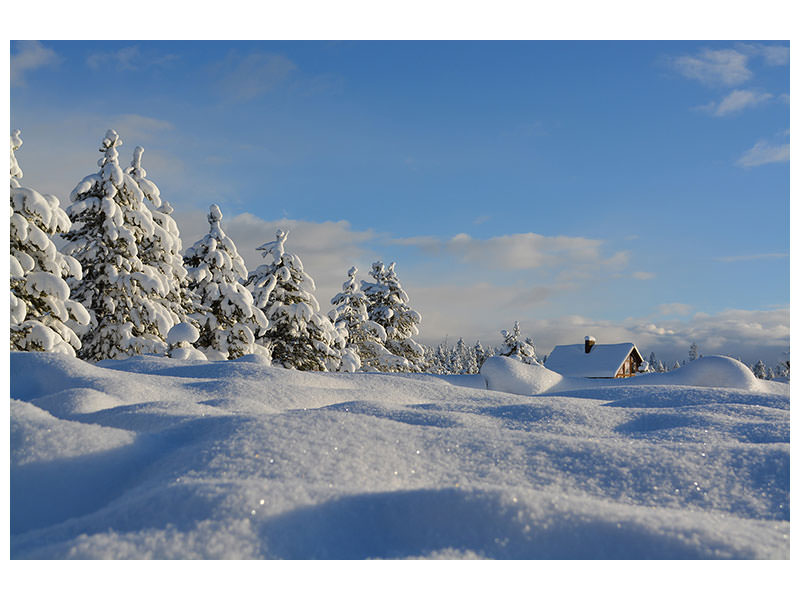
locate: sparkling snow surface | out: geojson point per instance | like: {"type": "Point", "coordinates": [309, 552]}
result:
{"type": "Point", "coordinates": [160, 458]}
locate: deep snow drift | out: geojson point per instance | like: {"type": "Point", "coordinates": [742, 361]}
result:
{"type": "Point", "coordinates": [161, 458]}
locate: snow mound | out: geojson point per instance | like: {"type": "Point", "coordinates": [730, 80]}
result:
{"type": "Point", "coordinates": [182, 332]}
{"type": "Point", "coordinates": [708, 371]}
{"type": "Point", "coordinates": [505, 374]}
{"type": "Point", "coordinates": [76, 401]}
{"type": "Point", "coordinates": [256, 359]}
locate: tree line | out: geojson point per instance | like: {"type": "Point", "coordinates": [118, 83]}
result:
{"type": "Point", "coordinates": [122, 285]}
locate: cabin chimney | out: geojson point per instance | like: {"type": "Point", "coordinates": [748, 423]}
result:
{"type": "Point", "coordinates": [588, 342]}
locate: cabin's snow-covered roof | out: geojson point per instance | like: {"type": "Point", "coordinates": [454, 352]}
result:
{"type": "Point", "coordinates": [604, 360]}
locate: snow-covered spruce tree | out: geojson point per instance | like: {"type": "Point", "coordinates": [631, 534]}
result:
{"type": "Point", "coordinates": [388, 306]}
{"type": "Point", "coordinates": [481, 354]}
{"type": "Point", "coordinates": [162, 250]}
{"type": "Point", "coordinates": [365, 337]}
{"type": "Point", "coordinates": [515, 347]}
{"type": "Point", "coordinates": [693, 352]}
{"type": "Point", "coordinates": [438, 359]}
{"type": "Point", "coordinates": [463, 358]}
{"type": "Point", "coordinates": [229, 319]}
{"type": "Point", "coordinates": [124, 296]}
{"type": "Point", "coordinates": [656, 366]}
{"type": "Point", "coordinates": [42, 314]}
{"type": "Point", "coordinates": [299, 336]}
{"type": "Point", "coordinates": [760, 370]}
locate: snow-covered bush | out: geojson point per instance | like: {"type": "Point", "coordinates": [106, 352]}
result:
{"type": "Point", "coordinates": [515, 347]}
{"type": "Point", "coordinates": [299, 336]}
{"type": "Point", "coordinates": [42, 314]}
{"type": "Point", "coordinates": [180, 339]}
{"type": "Point", "coordinates": [388, 307]}
{"type": "Point", "coordinates": [229, 321]}
{"type": "Point", "coordinates": [364, 337]}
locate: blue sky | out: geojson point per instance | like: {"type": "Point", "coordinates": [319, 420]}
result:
{"type": "Point", "coordinates": [630, 190]}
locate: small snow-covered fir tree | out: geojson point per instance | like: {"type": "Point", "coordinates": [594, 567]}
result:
{"type": "Point", "coordinates": [782, 369]}
{"type": "Point", "coordinates": [364, 336]}
{"type": "Point", "coordinates": [388, 306]}
{"type": "Point", "coordinates": [299, 336]}
{"type": "Point", "coordinates": [656, 366]}
{"type": "Point", "coordinates": [760, 370]}
{"type": "Point", "coordinates": [514, 347]}
{"type": "Point", "coordinates": [464, 360]}
{"type": "Point", "coordinates": [693, 352]}
{"type": "Point", "coordinates": [162, 250]}
{"type": "Point", "coordinates": [42, 314]}
{"type": "Point", "coordinates": [124, 296]}
{"type": "Point", "coordinates": [229, 319]}
{"type": "Point", "coordinates": [437, 359]}
{"type": "Point", "coordinates": [480, 355]}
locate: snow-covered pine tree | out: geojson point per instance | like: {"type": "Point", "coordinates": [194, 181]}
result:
{"type": "Point", "coordinates": [437, 359]}
{"type": "Point", "coordinates": [299, 336]}
{"type": "Point", "coordinates": [42, 314]}
{"type": "Point", "coordinates": [693, 352]}
{"type": "Point", "coordinates": [464, 358]}
{"type": "Point", "coordinates": [656, 365]}
{"type": "Point", "coordinates": [366, 337]}
{"type": "Point", "coordinates": [515, 347]}
{"type": "Point", "coordinates": [388, 306]}
{"type": "Point", "coordinates": [760, 370]}
{"type": "Point", "coordinates": [124, 296]}
{"type": "Point", "coordinates": [162, 250]}
{"type": "Point", "coordinates": [782, 369]}
{"type": "Point", "coordinates": [230, 321]}
{"type": "Point", "coordinates": [480, 355]}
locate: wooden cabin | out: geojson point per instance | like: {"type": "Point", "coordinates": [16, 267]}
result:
{"type": "Point", "coordinates": [595, 361]}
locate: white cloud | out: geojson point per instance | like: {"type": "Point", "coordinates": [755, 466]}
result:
{"type": "Point", "coordinates": [674, 308]}
{"type": "Point", "coordinates": [140, 127]}
{"type": "Point", "coordinates": [748, 257]}
{"type": "Point", "coordinates": [246, 78]}
{"type": "Point", "coordinates": [714, 67]}
{"type": "Point", "coordinates": [129, 58]}
{"type": "Point", "coordinates": [476, 310]}
{"type": "Point", "coordinates": [124, 59]}
{"type": "Point", "coordinates": [773, 55]}
{"type": "Point", "coordinates": [746, 334]}
{"type": "Point", "coordinates": [763, 153]}
{"type": "Point", "coordinates": [737, 101]}
{"type": "Point", "coordinates": [521, 251]}
{"type": "Point", "coordinates": [30, 55]}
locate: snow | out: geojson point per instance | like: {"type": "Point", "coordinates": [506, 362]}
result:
{"type": "Point", "coordinates": [182, 332]}
{"type": "Point", "coordinates": [151, 457]}
{"type": "Point", "coordinates": [510, 375]}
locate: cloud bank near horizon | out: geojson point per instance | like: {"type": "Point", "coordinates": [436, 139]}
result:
{"type": "Point", "coordinates": [478, 310]}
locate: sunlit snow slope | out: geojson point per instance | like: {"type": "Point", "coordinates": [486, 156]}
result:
{"type": "Point", "coordinates": [159, 458]}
